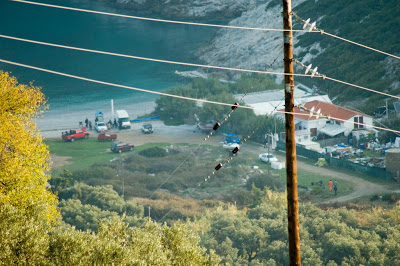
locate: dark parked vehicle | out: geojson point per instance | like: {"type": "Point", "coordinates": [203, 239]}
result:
{"type": "Point", "coordinates": [121, 146]}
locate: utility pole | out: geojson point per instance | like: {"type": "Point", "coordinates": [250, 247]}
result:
{"type": "Point", "coordinates": [291, 167]}
{"type": "Point", "coordinates": [269, 154]}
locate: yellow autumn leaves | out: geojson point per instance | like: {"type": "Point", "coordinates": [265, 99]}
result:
{"type": "Point", "coordinates": [24, 158]}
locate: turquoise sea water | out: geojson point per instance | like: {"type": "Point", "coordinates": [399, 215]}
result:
{"type": "Point", "coordinates": [71, 98]}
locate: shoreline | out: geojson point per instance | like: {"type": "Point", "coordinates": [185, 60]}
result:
{"type": "Point", "coordinates": [56, 121]}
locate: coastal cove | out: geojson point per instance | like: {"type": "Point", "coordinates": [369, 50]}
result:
{"type": "Point", "coordinates": [70, 100]}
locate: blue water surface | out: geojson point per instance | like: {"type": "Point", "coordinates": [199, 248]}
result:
{"type": "Point", "coordinates": [98, 32]}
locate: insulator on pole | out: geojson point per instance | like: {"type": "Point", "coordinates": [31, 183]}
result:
{"type": "Point", "coordinates": [311, 112]}
{"type": "Point", "coordinates": [312, 26]}
{"type": "Point", "coordinates": [306, 23]}
{"type": "Point", "coordinates": [216, 126]}
{"type": "Point", "coordinates": [308, 68]}
{"type": "Point", "coordinates": [218, 166]}
{"type": "Point", "coordinates": [318, 113]}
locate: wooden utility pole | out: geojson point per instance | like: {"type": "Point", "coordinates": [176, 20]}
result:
{"type": "Point", "coordinates": [291, 164]}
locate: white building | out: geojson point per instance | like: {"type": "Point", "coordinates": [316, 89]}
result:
{"type": "Point", "coordinates": [343, 120]}
{"type": "Point", "coordinates": [266, 102]}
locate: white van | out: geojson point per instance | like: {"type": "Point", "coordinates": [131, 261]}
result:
{"type": "Point", "coordinates": [123, 119]}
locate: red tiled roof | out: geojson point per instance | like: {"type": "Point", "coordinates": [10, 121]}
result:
{"type": "Point", "coordinates": [333, 110]}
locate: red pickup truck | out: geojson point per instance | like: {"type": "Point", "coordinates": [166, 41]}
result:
{"type": "Point", "coordinates": [104, 136]}
{"type": "Point", "coordinates": [75, 134]}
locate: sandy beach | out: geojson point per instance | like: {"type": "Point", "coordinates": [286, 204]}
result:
{"type": "Point", "coordinates": [59, 119]}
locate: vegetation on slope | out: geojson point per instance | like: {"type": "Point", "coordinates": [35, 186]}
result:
{"type": "Point", "coordinates": [371, 23]}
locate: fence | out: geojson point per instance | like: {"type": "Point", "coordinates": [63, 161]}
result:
{"type": "Point", "coordinates": [330, 142]}
{"type": "Point", "coordinates": [371, 171]}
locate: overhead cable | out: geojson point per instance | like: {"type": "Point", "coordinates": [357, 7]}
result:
{"type": "Point", "coordinates": [146, 58]}
{"type": "Point", "coordinates": [313, 28]}
{"type": "Point", "coordinates": [216, 126]}
{"type": "Point", "coordinates": [159, 93]}
{"type": "Point", "coordinates": [335, 118]}
{"type": "Point", "coordinates": [236, 149]}
{"type": "Point", "coordinates": [118, 85]}
{"type": "Point", "coordinates": [152, 19]}
{"type": "Point", "coordinates": [314, 73]}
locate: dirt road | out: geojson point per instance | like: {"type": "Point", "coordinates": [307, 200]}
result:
{"type": "Point", "coordinates": [362, 187]}
{"type": "Point", "coordinates": [186, 134]}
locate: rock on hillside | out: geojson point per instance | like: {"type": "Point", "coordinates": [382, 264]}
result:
{"type": "Point", "coordinates": [250, 49]}
{"type": "Point", "coordinates": [190, 9]}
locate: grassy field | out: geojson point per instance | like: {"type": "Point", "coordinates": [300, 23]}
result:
{"type": "Point", "coordinates": [86, 152]}
{"type": "Point", "coordinates": [145, 175]}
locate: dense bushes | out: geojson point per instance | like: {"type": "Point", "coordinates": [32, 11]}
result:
{"type": "Point", "coordinates": [153, 152]}
{"type": "Point", "coordinates": [241, 122]}
{"type": "Point", "coordinates": [333, 236]}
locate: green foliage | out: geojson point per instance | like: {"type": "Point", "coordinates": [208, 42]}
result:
{"type": "Point", "coordinates": [116, 243]}
{"type": "Point", "coordinates": [253, 83]}
{"type": "Point", "coordinates": [62, 181]}
{"type": "Point", "coordinates": [392, 123]}
{"type": "Point", "coordinates": [328, 237]}
{"type": "Point", "coordinates": [262, 181]}
{"type": "Point", "coordinates": [173, 108]}
{"type": "Point", "coordinates": [273, 3]}
{"type": "Point", "coordinates": [216, 112]}
{"type": "Point", "coordinates": [368, 22]}
{"type": "Point", "coordinates": [153, 152]}
{"type": "Point", "coordinates": [241, 121]}
{"type": "Point", "coordinates": [23, 236]}
{"type": "Point", "coordinates": [83, 217]}
{"type": "Point", "coordinates": [84, 206]}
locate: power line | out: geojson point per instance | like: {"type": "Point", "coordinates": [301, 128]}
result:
{"type": "Point", "coordinates": [207, 25]}
{"type": "Point", "coordinates": [216, 126]}
{"type": "Point", "coordinates": [144, 58]}
{"type": "Point", "coordinates": [359, 44]}
{"type": "Point", "coordinates": [192, 64]}
{"type": "Point", "coordinates": [155, 92]}
{"type": "Point", "coordinates": [338, 119]}
{"type": "Point", "coordinates": [176, 169]}
{"type": "Point", "coordinates": [315, 72]}
{"type": "Point", "coordinates": [118, 85]}
{"type": "Point", "coordinates": [363, 88]}
{"type": "Point", "coordinates": [315, 29]}
{"type": "Point", "coordinates": [151, 19]}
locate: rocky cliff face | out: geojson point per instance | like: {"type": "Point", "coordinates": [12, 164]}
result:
{"type": "Point", "coordinates": [190, 9]}
{"type": "Point", "coordinates": [250, 49]}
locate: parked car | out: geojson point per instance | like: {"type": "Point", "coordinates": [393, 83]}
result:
{"type": "Point", "coordinates": [121, 146]}
{"type": "Point", "coordinates": [104, 136]}
{"type": "Point", "coordinates": [231, 146]}
{"type": "Point", "coordinates": [267, 157]}
{"type": "Point", "coordinates": [232, 138]}
{"type": "Point", "coordinates": [147, 128]}
{"type": "Point", "coordinates": [75, 134]}
{"type": "Point", "coordinates": [205, 127]}
{"type": "Point", "coordinates": [100, 126]}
